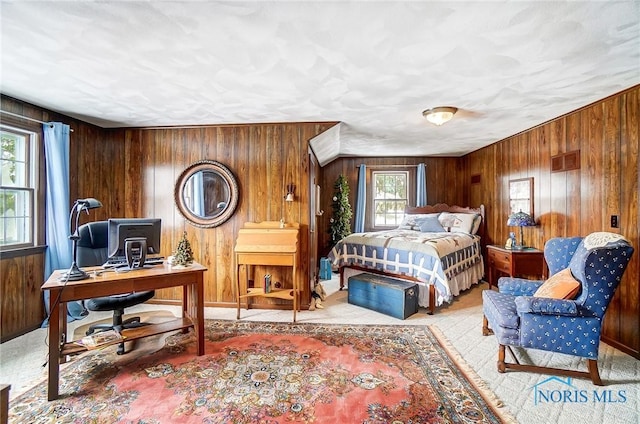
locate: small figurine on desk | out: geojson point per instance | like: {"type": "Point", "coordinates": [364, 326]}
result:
{"type": "Point", "coordinates": [511, 241]}
{"type": "Point", "coordinates": [267, 283]}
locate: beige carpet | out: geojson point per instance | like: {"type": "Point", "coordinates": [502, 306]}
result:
{"type": "Point", "coordinates": [535, 398]}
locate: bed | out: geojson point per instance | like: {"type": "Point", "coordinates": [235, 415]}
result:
{"type": "Point", "coordinates": [438, 247]}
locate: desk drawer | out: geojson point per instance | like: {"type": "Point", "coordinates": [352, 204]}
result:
{"type": "Point", "coordinates": [500, 261]}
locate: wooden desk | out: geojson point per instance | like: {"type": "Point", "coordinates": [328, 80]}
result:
{"type": "Point", "coordinates": [527, 262]}
{"type": "Point", "coordinates": [4, 403]}
{"type": "Point", "coordinates": [258, 245]}
{"type": "Point", "coordinates": [111, 283]}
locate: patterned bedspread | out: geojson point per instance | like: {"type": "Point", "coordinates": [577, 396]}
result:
{"type": "Point", "coordinates": [432, 258]}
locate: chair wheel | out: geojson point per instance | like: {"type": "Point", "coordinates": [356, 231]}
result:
{"type": "Point", "coordinates": [120, 350]}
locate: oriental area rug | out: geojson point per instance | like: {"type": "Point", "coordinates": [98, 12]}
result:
{"type": "Point", "coordinates": [257, 372]}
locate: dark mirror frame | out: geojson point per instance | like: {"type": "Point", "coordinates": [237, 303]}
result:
{"type": "Point", "coordinates": [223, 172]}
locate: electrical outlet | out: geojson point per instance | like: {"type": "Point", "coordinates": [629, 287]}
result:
{"type": "Point", "coordinates": [614, 221]}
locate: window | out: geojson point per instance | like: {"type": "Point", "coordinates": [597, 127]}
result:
{"type": "Point", "coordinates": [17, 188]}
{"type": "Point", "coordinates": [390, 196]}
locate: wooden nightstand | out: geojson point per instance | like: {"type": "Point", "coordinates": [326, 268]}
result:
{"type": "Point", "coordinates": [527, 262]}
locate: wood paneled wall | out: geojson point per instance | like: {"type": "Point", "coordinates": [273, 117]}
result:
{"type": "Point", "coordinates": [21, 304]}
{"type": "Point", "coordinates": [133, 173]}
{"type": "Point", "coordinates": [445, 184]}
{"type": "Point", "coordinates": [575, 202]}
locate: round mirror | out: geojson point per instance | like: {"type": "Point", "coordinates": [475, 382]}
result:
{"type": "Point", "coordinates": [206, 193]}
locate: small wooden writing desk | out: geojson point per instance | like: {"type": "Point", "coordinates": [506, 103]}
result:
{"type": "Point", "coordinates": [262, 244]}
{"type": "Point", "coordinates": [111, 283]}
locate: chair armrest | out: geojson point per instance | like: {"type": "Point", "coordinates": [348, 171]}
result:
{"type": "Point", "coordinates": [518, 286]}
{"type": "Point", "coordinates": [546, 306]}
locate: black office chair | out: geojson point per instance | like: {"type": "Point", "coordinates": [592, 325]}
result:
{"type": "Point", "coordinates": [92, 251]}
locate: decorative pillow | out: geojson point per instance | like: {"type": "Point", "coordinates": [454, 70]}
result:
{"type": "Point", "coordinates": [476, 224]}
{"type": "Point", "coordinates": [459, 222]}
{"type": "Point", "coordinates": [430, 225]}
{"type": "Point", "coordinates": [561, 285]}
{"type": "Point", "coordinates": [410, 222]}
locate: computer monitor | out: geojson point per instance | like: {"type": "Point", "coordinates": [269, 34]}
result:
{"type": "Point", "coordinates": [121, 229]}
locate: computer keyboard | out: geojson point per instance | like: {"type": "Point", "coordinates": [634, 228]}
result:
{"type": "Point", "coordinates": [154, 261]}
{"type": "Point", "coordinates": [122, 262]}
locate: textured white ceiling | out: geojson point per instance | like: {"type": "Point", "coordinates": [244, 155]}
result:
{"type": "Point", "coordinates": [374, 66]}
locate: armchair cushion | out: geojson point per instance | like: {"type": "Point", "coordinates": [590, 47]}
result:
{"type": "Point", "coordinates": [518, 286]}
{"type": "Point", "coordinates": [502, 309]}
{"type": "Point", "coordinates": [546, 306]}
{"type": "Point", "coordinates": [561, 285]}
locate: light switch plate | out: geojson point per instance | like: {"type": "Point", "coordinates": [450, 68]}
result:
{"type": "Point", "coordinates": [614, 221]}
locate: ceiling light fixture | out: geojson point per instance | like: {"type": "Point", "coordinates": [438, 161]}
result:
{"type": "Point", "coordinates": [439, 115]}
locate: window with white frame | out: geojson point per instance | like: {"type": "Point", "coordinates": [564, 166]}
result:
{"type": "Point", "coordinates": [390, 196]}
{"type": "Point", "coordinates": [18, 165]}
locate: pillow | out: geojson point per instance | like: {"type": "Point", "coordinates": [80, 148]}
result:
{"type": "Point", "coordinates": [476, 224]}
{"type": "Point", "coordinates": [410, 222]}
{"type": "Point", "coordinates": [430, 225]}
{"type": "Point", "coordinates": [561, 285]}
{"type": "Point", "coordinates": [459, 222]}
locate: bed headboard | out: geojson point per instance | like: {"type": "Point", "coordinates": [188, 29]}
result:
{"type": "Point", "coordinates": [443, 207]}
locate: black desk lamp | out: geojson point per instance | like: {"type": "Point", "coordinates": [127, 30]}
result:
{"type": "Point", "coordinates": [81, 205]}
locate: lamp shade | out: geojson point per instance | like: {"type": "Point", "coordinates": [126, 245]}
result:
{"type": "Point", "coordinates": [88, 203]}
{"type": "Point", "coordinates": [520, 219]}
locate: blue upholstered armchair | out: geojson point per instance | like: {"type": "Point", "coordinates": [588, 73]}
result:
{"type": "Point", "coordinates": [570, 326]}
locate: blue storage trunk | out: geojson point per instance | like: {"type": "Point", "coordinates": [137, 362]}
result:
{"type": "Point", "coordinates": [325, 269]}
{"type": "Point", "coordinates": [389, 296]}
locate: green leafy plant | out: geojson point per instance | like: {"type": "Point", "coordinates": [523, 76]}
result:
{"type": "Point", "coordinates": [340, 221]}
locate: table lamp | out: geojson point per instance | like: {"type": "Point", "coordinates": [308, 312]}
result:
{"type": "Point", "coordinates": [520, 219]}
{"type": "Point", "coordinates": [81, 205]}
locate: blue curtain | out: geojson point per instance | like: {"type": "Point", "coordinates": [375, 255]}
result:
{"type": "Point", "coordinates": [59, 252]}
{"type": "Point", "coordinates": [361, 199]}
{"type": "Point", "coordinates": [56, 148]}
{"type": "Point", "coordinates": [421, 184]}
